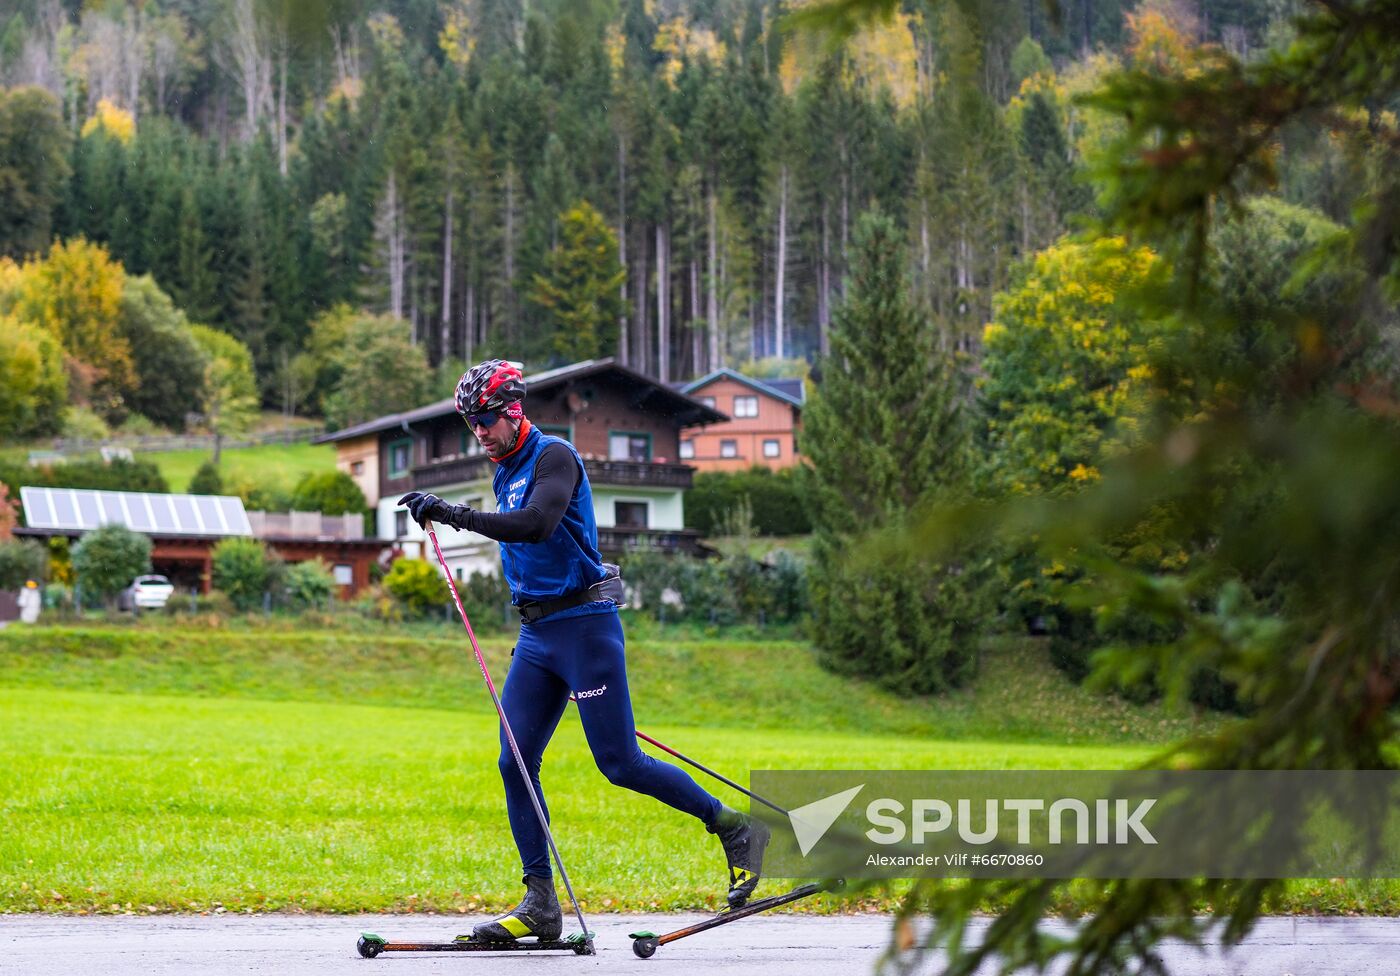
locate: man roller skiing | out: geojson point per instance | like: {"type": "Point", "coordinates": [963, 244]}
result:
{"type": "Point", "coordinates": [570, 641]}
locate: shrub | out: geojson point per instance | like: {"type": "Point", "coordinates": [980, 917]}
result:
{"type": "Point", "coordinates": [61, 560]}
{"type": "Point", "coordinates": [774, 498]}
{"type": "Point", "coordinates": [9, 512]}
{"type": "Point", "coordinates": [720, 591]}
{"type": "Point", "coordinates": [118, 475]}
{"type": "Point", "coordinates": [21, 560]}
{"type": "Point", "coordinates": [242, 569]}
{"type": "Point", "coordinates": [891, 616]}
{"type": "Point", "coordinates": [330, 493]}
{"type": "Point", "coordinates": [139, 425]}
{"type": "Point", "coordinates": [106, 560]}
{"type": "Point", "coordinates": [82, 424]}
{"type": "Point", "coordinates": [485, 597]}
{"type": "Point", "coordinates": [417, 585]}
{"type": "Point", "coordinates": [57, 596]}
{"type": "Point", "coordinates": [308, 584]}
{"type": "Point", "coordinates": [206, 480]}
{"type": "Point", "coordinates": [262, 496]}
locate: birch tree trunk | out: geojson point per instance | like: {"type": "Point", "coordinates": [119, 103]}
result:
{"type": "Point", "coordinates": [712, 294]}
{"type": "Point", "coordinates": [622, 320]}
{"type": "Point", "coordinates": [282, 108]}
{"type": "Point", "coordinates": [780, 297]}
{"type": "Point", "coordinates": [663, 302]}
{"type": "Point", "coordinates": [721, 350]}
{"type": "Point", "coordinates": [696, 353]}
{"type": "Point", "coordinates": [824, 283]}
{"type": "Point", "coordinates": [469, 318]}
{"type": "Point", "coordinates": [389, 231]}
{"type": "Point", "coordinates": [845, 225]}
{"type": "Point", "coordinates": [246, 61]}
{"type": "Point", "coordinates": [447, 276]}
{"type": "Point", "coordinates": [134, 57]}
{"type": "Point", "coordinates": [642, 340]}
{"type": "Point", "coordinates": [510, 251]}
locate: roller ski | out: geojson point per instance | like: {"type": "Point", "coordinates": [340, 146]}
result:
{"type": "Point", "coordinates": [371, 945]}
{"type": "Point", "coordinates": [535, 924]}
{"type": "Point", "coordinates": [645, 944]}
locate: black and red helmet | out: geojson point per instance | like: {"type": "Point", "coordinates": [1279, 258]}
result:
{"type": "Point", "coordinates": [492, 385]}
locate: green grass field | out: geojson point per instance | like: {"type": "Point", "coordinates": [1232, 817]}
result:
{"type": "Point", "coordinates": [270, 464]}
{"type": "Point", "coordinates": [281, 464]}
{"type": "Point", "coordinates": [152, 769]}
{"type": "Point", "coordinates": [1019, 698]}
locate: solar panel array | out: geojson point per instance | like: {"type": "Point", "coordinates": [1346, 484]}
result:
{"type": "Point", "coordinates": [153, 514]}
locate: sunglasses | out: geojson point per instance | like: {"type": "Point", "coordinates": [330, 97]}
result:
{"type": "Point", "coordinates": [487, 418]}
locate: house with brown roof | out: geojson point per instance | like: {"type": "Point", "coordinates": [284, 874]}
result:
{"type": "Point", "coordinates": [626, 426]}
{"type": "Point", "coordinates": [184, 530]}
{"type": "Point", "coordinates": [765, 418]}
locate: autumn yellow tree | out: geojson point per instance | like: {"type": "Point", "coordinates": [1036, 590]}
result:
{"type": "Point", "coordinates": [75, 293]}
{"type": "Point", "coordinates": [1065, 360]}
{"type": "Point", "coordinates": [33, 386]}
{"type": "Point", "coordinates": [110, 118]}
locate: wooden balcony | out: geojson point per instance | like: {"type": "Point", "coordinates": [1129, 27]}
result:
{"type": "Point", "coordinates": [638, 474]}
{"type": "Point", "coordinates": [459, 469]}
{"type": "Point", "coordinates": [630, 474]}
{"type": "Point", "coordinates": [612, 541]}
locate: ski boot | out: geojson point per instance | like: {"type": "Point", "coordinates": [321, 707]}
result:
{"type": "Point", "coordinates": [744, 840]}
{"type": "Point", "coordinates": [538, 915]}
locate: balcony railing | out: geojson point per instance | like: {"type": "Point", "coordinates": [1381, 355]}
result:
{"type": "Point", "coordinates": [306, 525]}
{"type": "Point", "coordinates": [643, 474]}
{"type": "Point", "coordinates": [451, 471]}
{"type": "Point", "coordinates": [632, 474]}
{"type": "Point", "coordinates": [619, 539]}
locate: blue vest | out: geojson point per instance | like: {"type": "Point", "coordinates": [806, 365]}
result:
{"type": "Point", "coordinates": [566, 562]}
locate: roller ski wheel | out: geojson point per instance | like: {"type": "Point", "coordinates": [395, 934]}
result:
{"type": "Point", "coordinates": [644, 944]}
{"type": "Point", "coordinates": [369, 945]}
{"type": "Point", "coordinates": [582, 943]}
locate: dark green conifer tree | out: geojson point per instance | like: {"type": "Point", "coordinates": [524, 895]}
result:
{"type": "Point", "coordinates": [882, 432]}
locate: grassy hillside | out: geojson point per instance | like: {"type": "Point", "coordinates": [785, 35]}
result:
{"type": "Point", "coordinates": [1019, 696]}
{"type": "Point", "coordinates": [270, 464]}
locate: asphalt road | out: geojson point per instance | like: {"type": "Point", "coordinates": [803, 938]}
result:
{"type": "Point", "coordinates": [46, 945]}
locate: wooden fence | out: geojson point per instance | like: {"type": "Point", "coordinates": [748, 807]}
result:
{"type": "Point", "coordinates": [73, 447]}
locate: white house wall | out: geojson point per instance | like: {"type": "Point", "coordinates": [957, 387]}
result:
{"type": "Point", "coordinates": [469, 552]}
{"type": "Point", "coordinates": [465, 552]}
{"type": "Point", "coordinates": [665, 507]}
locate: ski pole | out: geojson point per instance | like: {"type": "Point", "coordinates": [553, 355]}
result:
{"type": "Point", "coordinates": [706, 769]}
{"type": "Point", "coordinates": [510, 737]}
{"type": "Point", "coordinates": [703, 768]}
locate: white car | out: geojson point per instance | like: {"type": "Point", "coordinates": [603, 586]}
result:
{"type": "Point", "coordinates": [146, 593]}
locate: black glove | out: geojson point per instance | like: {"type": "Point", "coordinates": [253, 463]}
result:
{"type": "Point", "coordinates": [425, 506]}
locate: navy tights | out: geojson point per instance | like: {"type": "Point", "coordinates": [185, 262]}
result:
{"type": "Point", "coordinates": [583, 654]}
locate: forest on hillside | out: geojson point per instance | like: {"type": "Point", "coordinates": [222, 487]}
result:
{"type": "Point", "coordinates": [675, 183]}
